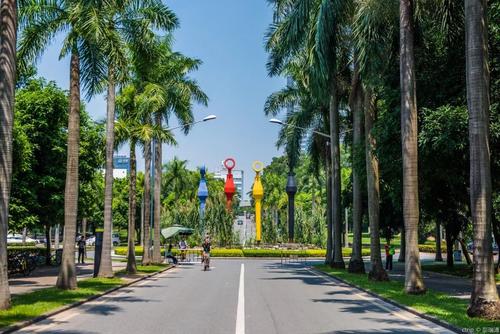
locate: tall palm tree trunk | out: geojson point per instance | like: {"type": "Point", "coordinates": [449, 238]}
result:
{"type": "Point", "coordinates": [329, 221]}
{"type": "Point", "coordinates": [106, 266]}
{"type": "Point", "coordinates": [439, 254]}
{"type": "Point", "coordinates": [67, 271]}
{"type": "Point", "coordinates": [377, 272]}
{"type": "Point", "coordinates": [157, 196]}
{"type": "Point", "coordinates": [402, 247]}
{"type": "Point", "coordinates": [356, 264]}
{"type": "Point", "coordinates": [8, 37]}
{"type": "Point", "coordinates": [414, 283]}
{"type": "Point", "coordinates": [146, 255]}
{"type": "Point", "coordinates": [132, 203]}
{"type": "Point", "coordinates": [338, 261]}
{"type": "Point", "coordinates": [484, 298]}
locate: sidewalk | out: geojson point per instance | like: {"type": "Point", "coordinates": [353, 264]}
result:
{"type": "Point", "coordinates": [455, 286]}
{"type": "Point", "coordinates": [46, 277]}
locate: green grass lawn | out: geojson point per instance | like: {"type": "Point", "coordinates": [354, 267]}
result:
{"type": "Point", "coordinates": [34, 304]}
{"type": "Point", "coordinates": [460, 269]}
{"type": "Point", "coordinates": [439, 305]}
{"type": "Point", "coordinates": [365, 240]}
{"type": "Point", "coordinates": [146, 269]}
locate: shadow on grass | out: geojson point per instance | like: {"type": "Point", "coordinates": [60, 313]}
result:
{"type": "Point", "coordinates": [36, 303]}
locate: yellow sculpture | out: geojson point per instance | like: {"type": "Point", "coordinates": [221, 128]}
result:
{"type": "Point", "coordinates": [258, 194]}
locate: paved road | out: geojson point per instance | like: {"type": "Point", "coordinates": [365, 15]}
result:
{"type": "Point", "coordinates": [236, 296]}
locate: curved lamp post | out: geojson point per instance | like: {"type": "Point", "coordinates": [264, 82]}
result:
{"type": "Point", "coordinates": [229, 187]}
{"type": "Point", "coordinates": [258, 194]}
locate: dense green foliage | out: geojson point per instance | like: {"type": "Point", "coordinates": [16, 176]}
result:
{"type": "Point", "coordinates": [40, 158]}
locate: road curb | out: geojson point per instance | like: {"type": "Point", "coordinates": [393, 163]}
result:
{"type": "Point", "coordinates": [27, 323]}
{"type": "Point", "coordinates": [394, 303]}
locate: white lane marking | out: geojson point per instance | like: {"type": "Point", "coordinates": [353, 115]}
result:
{"type": "Point", "coordinates": [400, 313]}
{"type": "Point", "coordinates": [240, 314]}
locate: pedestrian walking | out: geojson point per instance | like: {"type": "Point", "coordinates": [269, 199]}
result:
{"type": "Point", "coordinates": [389, 253]}
{"type": "Point", "coordinates": [81, 249]}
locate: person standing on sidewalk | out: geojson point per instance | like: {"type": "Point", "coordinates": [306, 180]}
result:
{"type": "Point", "coordinates": [389, 253]}
{"type": "Point", "coordinates": [81, 249]}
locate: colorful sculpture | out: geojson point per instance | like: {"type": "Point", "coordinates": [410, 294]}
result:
{"type": "Point", "coordinates": [229, 187]}
{"type": "Point", "coordinates": [258, 194]}
{"type": "Point", "coordinates": [202, 191]}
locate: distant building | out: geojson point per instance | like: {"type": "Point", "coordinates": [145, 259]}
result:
{"type": "Point", "coordinates": [121, 166]}
{"type": "Point", "coordinates": [238, 177]}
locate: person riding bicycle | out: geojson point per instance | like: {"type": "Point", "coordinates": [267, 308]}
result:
{"type": "Point", "coordinates": [206, 248]}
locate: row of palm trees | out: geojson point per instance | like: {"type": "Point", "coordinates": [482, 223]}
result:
{"type": "Point", "coordinates": [112, 44]}
{"type": "Point", "coordinates": [331, 49]}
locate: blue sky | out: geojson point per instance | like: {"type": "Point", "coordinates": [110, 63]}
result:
{"type": "Point", "coordinates": [228, 36]}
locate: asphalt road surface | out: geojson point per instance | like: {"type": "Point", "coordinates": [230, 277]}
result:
{"type": "Point", "coordinates": [237, 297]}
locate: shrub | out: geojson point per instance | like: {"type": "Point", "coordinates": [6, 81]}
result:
{"type": "Point", "coordinates": [11, 250]}
{"type": "Point", "coordinates": [253, 252]}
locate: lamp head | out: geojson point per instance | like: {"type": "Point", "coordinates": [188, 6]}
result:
{"type": "Point", "coordinates": [276, 121]}
{"type": "Point", "coordinates": [209, 118]}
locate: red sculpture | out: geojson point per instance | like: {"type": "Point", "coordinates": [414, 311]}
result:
{"type": "Point", "coordinates": [229, 188]}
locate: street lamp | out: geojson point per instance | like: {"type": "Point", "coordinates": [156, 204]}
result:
{"type": "Point", "coordinates": [205, 119]}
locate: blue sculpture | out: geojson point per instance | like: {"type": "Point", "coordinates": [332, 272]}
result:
{"type": "Point", "coordinates": [202, 191]}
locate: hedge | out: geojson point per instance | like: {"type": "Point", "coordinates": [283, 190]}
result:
{"type": "Point", "coordinates": [32, 249]}
{"type": "Point", "coordinates": [252, 252]}
{"type": "Point", "coordinates": [430, 248]}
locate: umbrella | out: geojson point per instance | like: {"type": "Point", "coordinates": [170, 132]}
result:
{"type": "Point", "coordinates": [172, 231]}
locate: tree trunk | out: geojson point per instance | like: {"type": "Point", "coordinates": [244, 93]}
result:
{"type": "Point", "coordinates": [146, 256]}
{"type": "Point", "coordinates": [47, 244]}
{"type": "Point", "coordinates": [106, 265]}
{"type": "Point", "coordinates": [484, 298]}
{"type": "Point", "coordinates": [377, 272]}
{"type": "Point", "coordinates": [67, 272]}
{"type": "Point", "coordinates": [356, 264]}
{"type": "Point", "coordinates": [465, 251]}
{"type": "Point", "coordinates": [338, 261]}
{"type": "Point", "coordinates": [414, 283]}
{"type": "Point", "coordinates": [402, 250]}
{"type": "Point", "coordinates": [132, 197]}
{"type": "Point", "coordinates": [329, 221]}
{"type": "Point", "coordinates": [84, 227]}
{"type": "Point", "coordinates": [439, 255]}
{"type": "Point", "coordinates": [56, 236]}
{"type": "Point", "coordinates": [449, 249]}
{"type": "Point", "coordinates": [8, 38]}
{"type": "Point", "coordinates": [157, 196]}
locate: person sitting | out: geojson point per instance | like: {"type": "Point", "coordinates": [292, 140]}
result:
{"type": "Point", "coordinates": [183, 246]}
{"type": "Point", "coordinates": [170, 255]}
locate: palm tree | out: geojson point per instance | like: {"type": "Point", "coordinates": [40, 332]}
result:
{"type": "Point", "coordinates": [356, 264]}
{"type": "Point", "coordinates": [170, 91]}
{"type": "Point", "coordinates": [176, 177]}
{"type": "Point", "coordinates": [374, 24]}
{"type": "Point", "coordinates": [314, 28]}
{"type": "Point", "coordinates": [120, 26]}
{"type": "Point", "coordinates": [484, 297]}
{"type": "Point", "coordinates": [8, 38]}
{"type": "Point", "coordinates": [41, 20]}
{"type": "Point", "coordinates": [377, 271]}
{"type": "Point", "coordinates": [414, 283]}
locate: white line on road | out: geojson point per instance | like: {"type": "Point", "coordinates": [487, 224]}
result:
{"type": "Point", "coordinates": [240, 314]}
